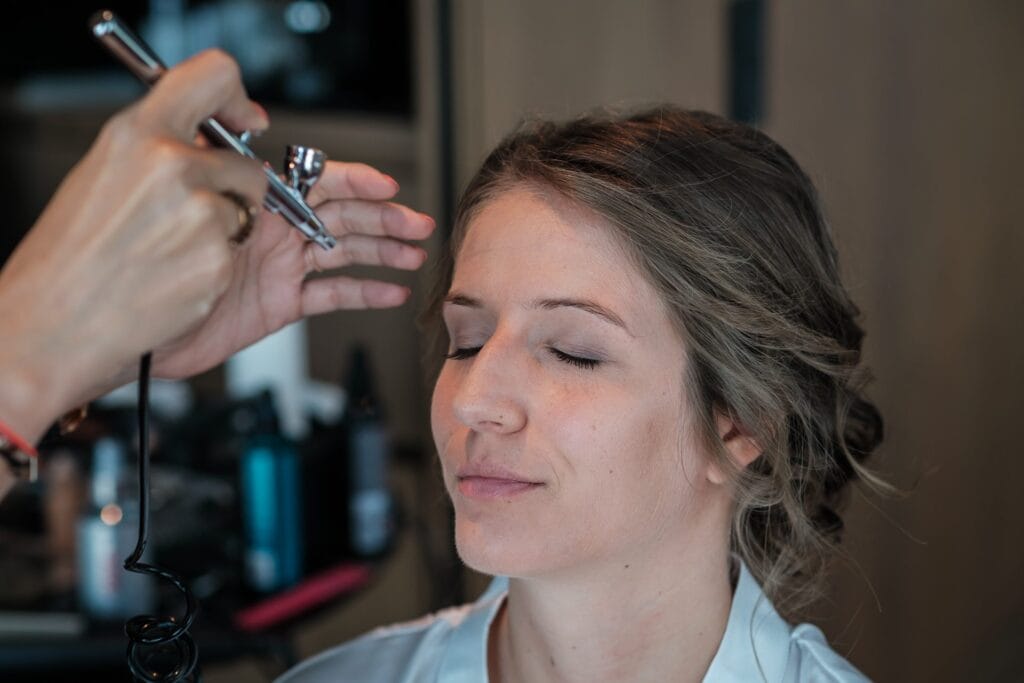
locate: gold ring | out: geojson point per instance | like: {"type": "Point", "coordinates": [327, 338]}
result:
{"type": "Point", "coordinates": [246, 219]}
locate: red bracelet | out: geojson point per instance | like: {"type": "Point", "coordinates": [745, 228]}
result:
{"type": "Point", "coordinates": [12, 446]}
{"type": "Point", "coordinates": [9, 436]}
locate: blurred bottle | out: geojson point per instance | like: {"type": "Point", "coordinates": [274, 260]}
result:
{"type": "Point", "coordinates": [271, 487]}
{"type": "Point", "coordinates": [106, 536]}
{"type": "Point", "coordinates": [370, 503]}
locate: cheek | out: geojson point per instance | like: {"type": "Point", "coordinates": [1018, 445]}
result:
{"type": "Point", "coordinates": [627, 456]}
{"type": "Point", "coordinates": [597, 438]}
{"type": "Point", "coordinates": [610, 425]}
{"type": "Point", "coordinates": [442, 418]}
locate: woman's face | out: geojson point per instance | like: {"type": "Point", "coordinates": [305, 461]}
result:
{"type": "Point", "coordinates": [560, 416]}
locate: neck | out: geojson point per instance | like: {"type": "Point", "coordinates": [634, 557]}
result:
{"type": "Point", "coordinates": [658, 618]}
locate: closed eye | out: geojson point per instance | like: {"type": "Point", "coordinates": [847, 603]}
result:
{"type": "Point", "coordinates": [585, 363]}
{"type": "Point", "coordinates": [462, 354]}
{"type": "Point", "coordinates": [576, 361]}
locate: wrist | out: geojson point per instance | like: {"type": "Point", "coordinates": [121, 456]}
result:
{"type": "Point", "coordinates": [30, 393]}
{"type": "Point", "coordinates": [38, 376]}
{"type": "Point", "coordinates": [49, 361]}
{"type": "Point", "coordinates": [30, 398]}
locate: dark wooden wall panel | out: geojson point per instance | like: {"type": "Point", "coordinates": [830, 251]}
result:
{"type": "Point", "coordinates": [909, 116]}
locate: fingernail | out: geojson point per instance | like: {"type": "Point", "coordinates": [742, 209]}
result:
{"type": "Point", "coordinates": [392, 181]}
{"type": "Point", "coordinates": [264, 116]}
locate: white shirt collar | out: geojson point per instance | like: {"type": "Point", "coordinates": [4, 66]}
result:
{"type": "Point", "coordinates": [755, 646]}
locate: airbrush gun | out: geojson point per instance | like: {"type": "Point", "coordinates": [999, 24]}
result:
{"type": "Point", "coordinates": [303, 165]}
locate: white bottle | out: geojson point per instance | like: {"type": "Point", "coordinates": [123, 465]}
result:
{"type": "Point", "coordinates": [106, 536]}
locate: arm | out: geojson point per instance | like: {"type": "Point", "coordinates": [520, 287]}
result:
{"type": "Point", "coordinates": [138, 217]}
{"type": "Point", "coordinates": [132, 253]}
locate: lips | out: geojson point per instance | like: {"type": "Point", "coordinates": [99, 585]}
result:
{"type": "Point", "coordinates": [488, 482]}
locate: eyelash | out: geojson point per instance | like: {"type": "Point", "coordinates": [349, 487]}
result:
{"type": "Point", "coordinates": [576, 361]}
{"type": "Point", "coordinates": [584, 363]}
{"type": "Point", "coordinates": [462, 354]}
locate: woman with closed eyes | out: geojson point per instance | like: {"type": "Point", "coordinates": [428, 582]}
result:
{"type": "Point", "coordinates": [649, 406]}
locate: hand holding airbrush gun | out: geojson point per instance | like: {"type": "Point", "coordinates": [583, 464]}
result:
{"type": "Point", "coordinates": [135, 252]}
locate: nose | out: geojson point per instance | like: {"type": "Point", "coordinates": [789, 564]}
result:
{"type": "Point", "coordinates": [489, 390]}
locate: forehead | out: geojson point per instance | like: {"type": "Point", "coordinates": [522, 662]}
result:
{"type": "Point", "coordinates": [527, 243]}
{"type": "Point", "coordinates": [525, 231]}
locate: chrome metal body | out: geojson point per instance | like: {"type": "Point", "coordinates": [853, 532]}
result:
{"type": "Point", "coordinates": [288, 201]}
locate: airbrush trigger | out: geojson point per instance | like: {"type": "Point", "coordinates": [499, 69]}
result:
{"type": "Point", "coordinates": [303, 166]}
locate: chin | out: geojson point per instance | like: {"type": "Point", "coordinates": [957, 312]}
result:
{"type": "Point", "coordinates": [482, 550]}
{"type": "Point", "coordinates": [496, 553]}
{"type": "Point", "coordinates": [522, 551]}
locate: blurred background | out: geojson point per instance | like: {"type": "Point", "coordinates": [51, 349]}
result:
{"type": "Point", "coordinates": [295, 487]}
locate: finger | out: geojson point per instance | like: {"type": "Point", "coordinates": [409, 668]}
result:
{"type": "Point", "coordinates": [223, 171]}
{"type": "Point", "coordinates": [358, 216]}
{"type": "Point", "coordinates": [367, 251]}
{"type": "Point", "coordinates": [344, 293]}
{"type": "Point", "coordinates": [346, 180]}
{"type": "Point", "coordinates": [206, 85]}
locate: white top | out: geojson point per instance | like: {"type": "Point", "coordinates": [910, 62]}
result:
{"type": "Point", "coordinates": [451, 647]}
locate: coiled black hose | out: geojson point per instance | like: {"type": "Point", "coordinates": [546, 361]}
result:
{"type": "Point", "coordinates": [160, 649]}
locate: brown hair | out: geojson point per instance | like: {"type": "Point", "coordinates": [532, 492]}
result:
{"type": "Point", "coordinates": [728, 229]}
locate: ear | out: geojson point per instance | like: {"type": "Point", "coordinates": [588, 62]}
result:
{"type": "Point", "coordinates": [742, 449]}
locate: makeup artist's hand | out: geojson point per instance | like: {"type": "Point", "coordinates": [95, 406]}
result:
{"type": "Point", "coordinates": [131, 251]}
{"type": "Point", "coordinates": [269, 287]}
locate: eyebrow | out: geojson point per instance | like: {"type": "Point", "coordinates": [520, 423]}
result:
{"type": "Point", "coordinates": [592, 307]}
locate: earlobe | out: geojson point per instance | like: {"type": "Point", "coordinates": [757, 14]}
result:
{"type": "Point", "coordinates": [742, 449]}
